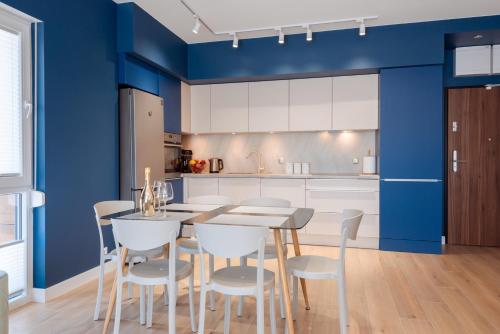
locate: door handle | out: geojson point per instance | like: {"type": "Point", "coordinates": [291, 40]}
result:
{"type": "Point", "coordinates": [455, 161]}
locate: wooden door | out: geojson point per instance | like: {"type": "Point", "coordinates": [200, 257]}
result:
{"type": "Point", "coordinates": [474, 181]}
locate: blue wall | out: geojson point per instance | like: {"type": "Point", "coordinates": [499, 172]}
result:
{"type": "Point", "coordinates": [79, 130]}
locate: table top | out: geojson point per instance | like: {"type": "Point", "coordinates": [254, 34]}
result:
{"type": "Point", "coordinates": [189, 214]}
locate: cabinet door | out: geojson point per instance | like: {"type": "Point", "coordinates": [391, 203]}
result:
{"type": "Point", "coordinates": [239, 189]}
{"type": "Point", "coordinates": [289, 189]}
{"type": "Point", "coordinates": [200, 109]}
{"type": "Point", "coordinates": [311, 104]}
{"type": "Point", "coordinates": [268, 106]}
{"type": "Point", "coordinates": [170, 89]}
{"type": "Point", "coordinates": [185, 108]}
{"type": "Point", "coordinates": [473, 60]}
{"type": "Point", "coordinates": [229, 107]}
{"type": "Point", "coordinates": [331, 224]}
{"type": "Point", "coordinates": [201, 186]}
{"type": "Point", "coordinates": [355, 102]}
{"type": "Point", "coordinates": [411, 216]}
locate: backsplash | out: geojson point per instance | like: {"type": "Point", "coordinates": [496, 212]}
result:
{"type": "Point", "coordinates": [328, 152]}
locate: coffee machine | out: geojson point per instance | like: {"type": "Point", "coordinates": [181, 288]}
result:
{"type": "Point", "coordinates": [186, 156]}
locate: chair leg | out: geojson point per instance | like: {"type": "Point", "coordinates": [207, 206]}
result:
{"type": "Point", "coordinates": [342, 306]}
{"type": "Point", "coordinates": [211, 272]}
{"type": "Point", "coordinates": [142, 304]}
{"type": "Point", "coordinates": [118, 309]}
{"type": "Point", "coordinates": [203, 299]}
{"type": "Point", "coordinates": [243, 263]}
{"type": "Point", "coordinates": [165, 294]}
{"type": "Point", "coordinates": [172, 302]}
{"type": "Point", "coordinates": [228, 263]}
{"type": "Point", "coordinates": [129, 284]}
{"type": "Point", "coordinates": [272, 311]}
{"type": "Point", "coordinates": [295, 296]}
{"type": "Point", "coordinates": [227, 314]}
{"type": "Point", "coordinates": [99, 290]}
{"type": "Point", "coordinates": [191, 303]}
{"type": "Point", "coordinates": [149, 312]}
{"type": "Point", "coordinates": [260, 310]}
{"type": "Point", "coordinates": [280, 296]}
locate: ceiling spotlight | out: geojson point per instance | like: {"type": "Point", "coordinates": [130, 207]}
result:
{"type": "Point", "coordinates": [281, 38]}
{"type": "Point", "coordinates": [362, 28]}
{"type": "Point", "coordinates": [197, 24]}
{"type": "Point", "coordinates": [309, 35]}
{"type": "Point", "coordinates": [235, 40]}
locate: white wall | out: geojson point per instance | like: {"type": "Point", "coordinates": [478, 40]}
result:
{"type": "Point", "coordinates": [328, 152]}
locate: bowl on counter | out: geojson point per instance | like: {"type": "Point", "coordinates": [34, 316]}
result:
{"type": "Point", "coordinates": [197, 166]}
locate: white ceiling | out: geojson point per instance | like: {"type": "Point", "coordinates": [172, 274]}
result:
{"type": "Point", "coordinates": [234, 15]}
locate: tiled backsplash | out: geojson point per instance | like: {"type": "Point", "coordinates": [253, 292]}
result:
{"type": "Point", "coordinates": [328, 152]}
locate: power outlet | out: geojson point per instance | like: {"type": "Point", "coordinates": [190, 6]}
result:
{"type": "Point", "coordinates": [355, 161]}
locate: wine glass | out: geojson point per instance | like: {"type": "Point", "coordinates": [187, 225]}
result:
{"type": "Point", "coordinates": [156, 189]}
{"type": "Point", "coordinates": [169, 191]}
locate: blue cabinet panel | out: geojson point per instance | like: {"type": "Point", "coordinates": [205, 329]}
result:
{"type": "Point", "coordinates": [178, 190]}
{"type": "Point", "coordinates": [411, 210]}
{"type": "Point", "coordinates": [170, 90]}
{"type": "Point", "coordinates": [411, 122]}
{"type": "Point", "coordinates": [137, 74]}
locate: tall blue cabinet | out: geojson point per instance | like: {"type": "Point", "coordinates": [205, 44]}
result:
{"type": "Point", "coordinates": [411, 159]}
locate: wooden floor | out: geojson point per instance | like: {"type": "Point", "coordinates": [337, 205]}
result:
{"type": "Point", "coordinates": [458, 292]}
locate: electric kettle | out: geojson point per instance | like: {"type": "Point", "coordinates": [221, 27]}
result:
{"type": "Point", "coordinates": [216, 165]}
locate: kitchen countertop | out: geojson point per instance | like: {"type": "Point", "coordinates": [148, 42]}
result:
{"type": "Point", "coordinates": [288, 176]}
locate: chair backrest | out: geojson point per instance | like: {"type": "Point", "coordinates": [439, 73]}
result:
{"type": "Point", "coordinates": [210, 199]}
{"type": "Point", "coordinates": [141, 235]}
{"type": "Point", "coordinates": [267, 201]}
{"type": "Point", "coordinates": [351, 219]}
{"type": "Point", "coordinates": [105, 208]}
{"type": "Point", "coordinates": [230, 241]}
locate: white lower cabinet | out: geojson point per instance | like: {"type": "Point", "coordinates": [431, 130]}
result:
{"type": "Point", "coordinates": [328, 197]}
{"type": "Point", "coordinates": [239, 189]}
{"type": "Point", "coordinates": [200, 186]}
{"type": "Point", "coordinates": [289, 189]}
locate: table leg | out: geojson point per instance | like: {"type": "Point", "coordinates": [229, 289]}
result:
{"type": "Point", "coordinates": [284, 281]}
{"type": "Point", "coordinates": [112, 297]}
{"type": "Point", "coordinates": [296, 247]}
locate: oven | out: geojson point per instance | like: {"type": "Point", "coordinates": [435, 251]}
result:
{"type": "Point", "coordinates": [172, 151]}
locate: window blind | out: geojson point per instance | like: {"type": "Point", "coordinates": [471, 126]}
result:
{"type": "Point", "coordinates": [10, 103]}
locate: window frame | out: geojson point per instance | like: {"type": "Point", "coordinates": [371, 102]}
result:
{"type": "Point", "coordinates": [15, 23]}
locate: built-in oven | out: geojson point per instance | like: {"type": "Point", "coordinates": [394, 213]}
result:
{"type": "Point", "coordinates": [172, 149]}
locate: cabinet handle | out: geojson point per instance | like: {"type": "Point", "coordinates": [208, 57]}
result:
{"type": "Point", "coordinates": [336, 190]}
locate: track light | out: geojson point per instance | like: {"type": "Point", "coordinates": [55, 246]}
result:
{"type": "Point", "coordinates": [235, 40]}
{"type": "Point", "coordinates": [309, 34]}
{"type": "Point", "coordinates": [197, 24]}
{"type": "Point", "coordinates": [362, 28]}
{"type": "Point", "coordinates": [281, 38]}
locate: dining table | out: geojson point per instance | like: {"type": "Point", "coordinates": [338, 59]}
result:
{"type": "Point", "coordinates": [277, 219]}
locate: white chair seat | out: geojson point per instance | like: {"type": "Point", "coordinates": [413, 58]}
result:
{"type": "Point", "coordinates": [269, 253]}
{"type": "Point", "coordinates": [241, 278]}
{"type": "Point", "coordinates": [152, 253]}
{"type": "Point", "coordinates": [188, 246]}
{"type": "Point", "coordinates": [157, 269]}
{"type": "Point", "coordinates": [312, 267]}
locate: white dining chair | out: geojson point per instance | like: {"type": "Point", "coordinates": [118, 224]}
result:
{"type": "Point", "coordinates": [190, 246]}
{"type": "Point", "coordinates": [270, 250]}
{"type": "Point", "coordinates": [236, 241]}
{"type": "Point", "coordinates": [102, 209]}
{"type": "Point", "coordinates": [321, 267]}
{"type": "Point", "coordinates": [143, 235]}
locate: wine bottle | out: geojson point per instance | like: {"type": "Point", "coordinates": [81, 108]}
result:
{"type": "Point", "coordinates": [147, 201]}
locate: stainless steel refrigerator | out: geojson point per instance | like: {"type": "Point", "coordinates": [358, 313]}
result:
{"type": "Point", "coordinates": [141, 140]}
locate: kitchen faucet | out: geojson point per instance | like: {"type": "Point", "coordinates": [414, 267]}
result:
{"type": "Point", "coordinates": [260, 166]}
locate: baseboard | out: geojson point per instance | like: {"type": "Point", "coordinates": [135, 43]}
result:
{"type": "Point", "coordinates": [59, 289]}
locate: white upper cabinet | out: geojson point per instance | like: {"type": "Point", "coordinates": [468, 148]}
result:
{"type": "Point", "coordinates": [185, 108]}
{"type": "Point", "coordinates": [311, 104]}
{"type": "Point", "coordinates": [229, 107]}
{"type": "Point", "coordinates": [473, 60]}
{"type": "Point", "coordinates": [496, 59]}
{"type": "Point", "coordinates": [355, 102]}
{"type": "Point", "coordinates": [268, 106]}
{"type": "Point", "coordinates": [200, 109]}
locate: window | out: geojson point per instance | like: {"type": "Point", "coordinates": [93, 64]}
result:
{"type": "Point", "coordinates": [15, 150]}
